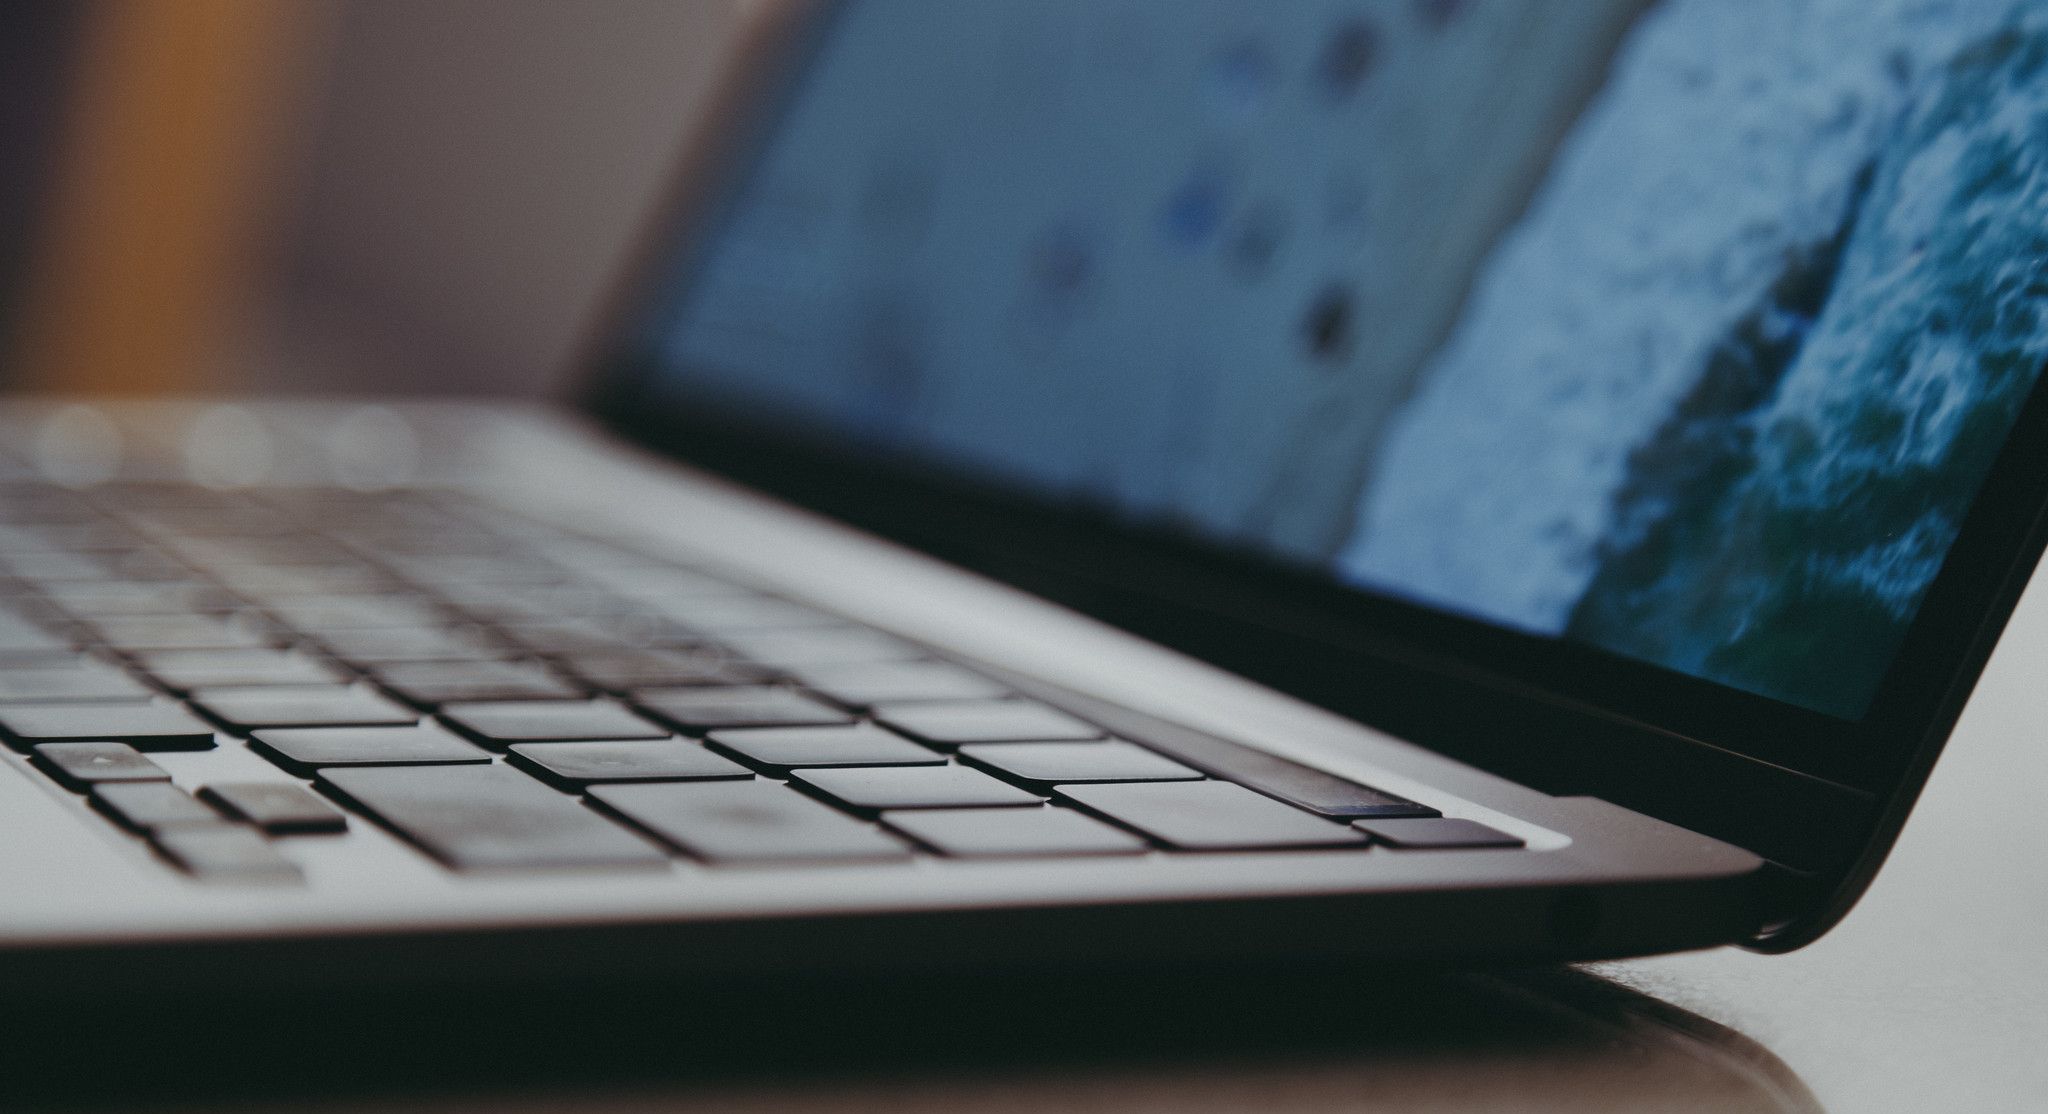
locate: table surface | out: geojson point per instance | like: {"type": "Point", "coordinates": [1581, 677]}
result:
{"type": "Point", "coordinates": [1933, 995]}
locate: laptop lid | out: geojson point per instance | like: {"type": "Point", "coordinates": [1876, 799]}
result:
{"type": "Point", "coordinates": [1631, 398]}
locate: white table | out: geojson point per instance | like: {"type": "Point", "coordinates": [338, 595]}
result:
{"type": "Point", "coordinates": [1933, 994]}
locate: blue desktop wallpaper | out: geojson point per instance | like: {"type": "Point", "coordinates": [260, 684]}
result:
{"type": "Point", "coordinates": [1684, 329]}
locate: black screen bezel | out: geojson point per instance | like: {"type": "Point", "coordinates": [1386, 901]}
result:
{"type": "Point", "coordinates": [1810, 790]}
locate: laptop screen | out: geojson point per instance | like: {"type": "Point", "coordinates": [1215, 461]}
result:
{"type": "Point", "coordinates": [1686, 330]}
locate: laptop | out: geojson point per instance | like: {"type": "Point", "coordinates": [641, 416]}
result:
{"type": "Point", "coordinates": [1099, 483]}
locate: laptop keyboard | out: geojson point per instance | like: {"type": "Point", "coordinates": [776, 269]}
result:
{"type": "Point", "coordinates": [503, 694]}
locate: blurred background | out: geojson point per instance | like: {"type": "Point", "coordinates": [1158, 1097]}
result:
{"type": "Point", "coordinates": [330, 196]}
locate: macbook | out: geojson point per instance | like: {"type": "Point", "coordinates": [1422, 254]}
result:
{"type": "Point", "coordinates": [1100, 482]}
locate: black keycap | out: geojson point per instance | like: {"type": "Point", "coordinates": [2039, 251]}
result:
{"type": "Point", "coordinates": [83, 681]}
{"type": "Point", "coordinates": [892, 787]}
{"type": "Point", "coordinates": [83, 765]}
{"type": "Point", "coordinates": [747, 821]}
{"type": "Point", "coordinates": [519, 721]}
{"type": "Point", "coordinates": [698, 709]}
{"type": "Point", "coordinates": [626, 670]}
{"type": "Point", "coordinates": [147, 806]}
{"type": "Point", "coordinates": [193, 669]}
{"type": "Point", "coordinates": [306, 749]}
{"type": "Point", "coordinates": [990, 721]}
{"type": "Point", "coordinates": [429, 683]}
{"type": "Point", "coordinates": [859, 744]}
{"type": "Point", "coordinates": [1057, 763]}
{"type": "Point", "coordinates": [1435, 832]}
{"type": "Point", "coordinates": [277, 807]}
{"type": "Point", "coordinates": [224, 853]}
{"type": "Point", "coordinates": [859, 684]}
{"type": "Point", "coordinates": [303, 706]}
{"type": "Point", "coordinates": [1210, 816]}
{"type": "Point", "coordinates": [784, 649]}
{"type": "Point", "coordinates": [573, 765]}
{"type": "Point", "coordinates": [1002, 832]}
{"type": "Point", "coordinates": [161, 726]}
{"type": "Point", "coordinates": [1314, 790]}
{"type": "Point", "coordinates": [488, 817]}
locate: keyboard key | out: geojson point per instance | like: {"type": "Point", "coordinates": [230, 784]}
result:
{"type": "Point", "coordinates": [303, 706]}
{"type": "Point", "coordinates": [271, 585]}
{"type": "Point", "coordinates": [94, 599]}
{"type": "Point", "coordinates": [86, 681]}
{"type": "Point", "coordinates": [993, 721]}
{"type": "Point", "coordinates": [83, 765]}
{"type": "Point", "coordinates": [859, 684]}
{"type": "Point", "coordinates": [317, 614]}
{"type": "Point", "coordinates": [1435, 832]}
{"type": "Point", "coordinates": [79, 537]}
{"type": "Point", "coordinates": [25, 637]}
{"type": "Point", "coordinates": [574, 765]}
{"type": "Point", "coordinates": [161, 726]}
{"type": "Point", "coordinates": [20, 638]}
{"type": "Point", "coordinates": [490, 817]}
{"type": "Point", "coordinates": [429, 683]}
{"type": "Point", "coordinates": [387, 644]}
{"type": "Point", "coordinates": [744, 613]}
{"type": "Point", "coordinates": [307, 749]}
{"type": "Point", "coordinates": [861, 744]}
{"type": "Point", "coordinates": [1210, 816]}
{"type": "Point", "coordinates": [873, 790]}
{"type": "Point", "coordinates": [1056, 763]}
{"type": "Point", "coordinates": [224, 853]}
{"type": "Point", "coordinates": [193, 669]}
{"type": "Point", "coordinates": [83, 567]}
{"type": "Point", "coordinates": [698, 709]}
{"type": "Point", "coordinates": [467, 580]}
{"type": "Point", "coordinates": [139, 633]}
{"type": "Point", "coordinates": [518, 721]}
{"type": "Point", "coordinates": [785, 649]}
{"type": "Point", "coordinates": [277, 807]}
{"type": "Point", "coordinates": [747, 822]}
{"type": "Point", "coordinates": [599, 635]}
{"type": "Point", "coordinates": [1312, 789]}
{"type": "Point", "coordinates": [999, 832]}
{"type": "Point", "coordinates": [661, 582]}
{"type": "Point", "coordinates": [147, 806]}
{"type": "Point", "coordinates": [531, 603]}
{"type": "Point", "coordinates": [626, 670]}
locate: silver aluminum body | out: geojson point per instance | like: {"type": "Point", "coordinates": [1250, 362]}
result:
{"type": "Point", "coordinates": [74, 892]}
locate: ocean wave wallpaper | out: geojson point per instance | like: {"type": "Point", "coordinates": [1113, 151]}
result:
{"type": "Point", "coordinates": [1724, 396]}
{"type": "Point", "coordinates": [1686, 329]}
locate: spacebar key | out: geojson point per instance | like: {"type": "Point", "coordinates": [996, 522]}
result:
{"type": "Point", "coordinates": [489, 817]}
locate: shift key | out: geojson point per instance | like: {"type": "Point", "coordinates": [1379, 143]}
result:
{"type": "Point", "coordinates": [490, 817]}
{"type": "Point", "coordinates": [159, 726]}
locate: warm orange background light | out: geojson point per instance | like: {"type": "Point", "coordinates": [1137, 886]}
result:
{"type": "Point", "coordinates": [164, 190]}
